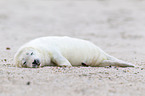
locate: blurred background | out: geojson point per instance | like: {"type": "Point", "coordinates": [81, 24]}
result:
{"type": "Point", "coordinates": [116, 26]}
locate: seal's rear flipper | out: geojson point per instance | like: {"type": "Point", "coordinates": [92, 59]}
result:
{"type": "Point", "coordinates": [118, 63]}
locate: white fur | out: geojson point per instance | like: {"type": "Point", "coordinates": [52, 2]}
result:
{"type": "Point", "coordinates": [64, 51]}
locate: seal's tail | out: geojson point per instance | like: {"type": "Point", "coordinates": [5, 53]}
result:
{"type": "Point", "coordinates": [112, 61]}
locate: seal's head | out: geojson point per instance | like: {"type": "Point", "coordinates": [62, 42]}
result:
{"type": "Point", "coordinates": [28, 57]}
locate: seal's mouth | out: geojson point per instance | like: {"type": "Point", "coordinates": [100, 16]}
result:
{"type": "Point", "coordinates": [35, 66]}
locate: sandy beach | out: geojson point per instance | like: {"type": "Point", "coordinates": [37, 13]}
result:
{"type": "Point", "coordinates": [116, 26]}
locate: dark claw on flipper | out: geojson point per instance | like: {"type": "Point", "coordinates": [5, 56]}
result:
{"type": "Point", "coordinates": [84, 64]}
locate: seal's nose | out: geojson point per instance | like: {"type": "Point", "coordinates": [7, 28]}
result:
{"type": "Point", "coordinates": [36, 63]}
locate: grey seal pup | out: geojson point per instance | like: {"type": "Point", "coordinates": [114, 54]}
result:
{"type": "Point", "coordinates": [64, 51]}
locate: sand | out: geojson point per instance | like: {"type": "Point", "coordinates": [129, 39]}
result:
{"type": "Point", "coordinates": [116, 26]}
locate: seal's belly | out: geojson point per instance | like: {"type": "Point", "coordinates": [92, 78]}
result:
{"type": "Point", "coordinates": [77, 53]}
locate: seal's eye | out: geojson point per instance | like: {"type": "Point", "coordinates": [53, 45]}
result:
{"type": "Point", "coordinates": [24, 63]}
{"type": "Point", "coordinates": [32, 53]}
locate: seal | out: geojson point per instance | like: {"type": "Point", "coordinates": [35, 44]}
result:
{"type": "Point", "coordinates": [64, 51]}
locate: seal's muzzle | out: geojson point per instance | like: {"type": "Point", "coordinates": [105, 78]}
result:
{"type": "Point", "coordinates": [36, 63]}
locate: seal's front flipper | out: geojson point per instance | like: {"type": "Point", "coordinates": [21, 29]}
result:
{"type": "Point", "coordinates": [60, 60]}
{"type": "Point", "coordinates": [118, 63]}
